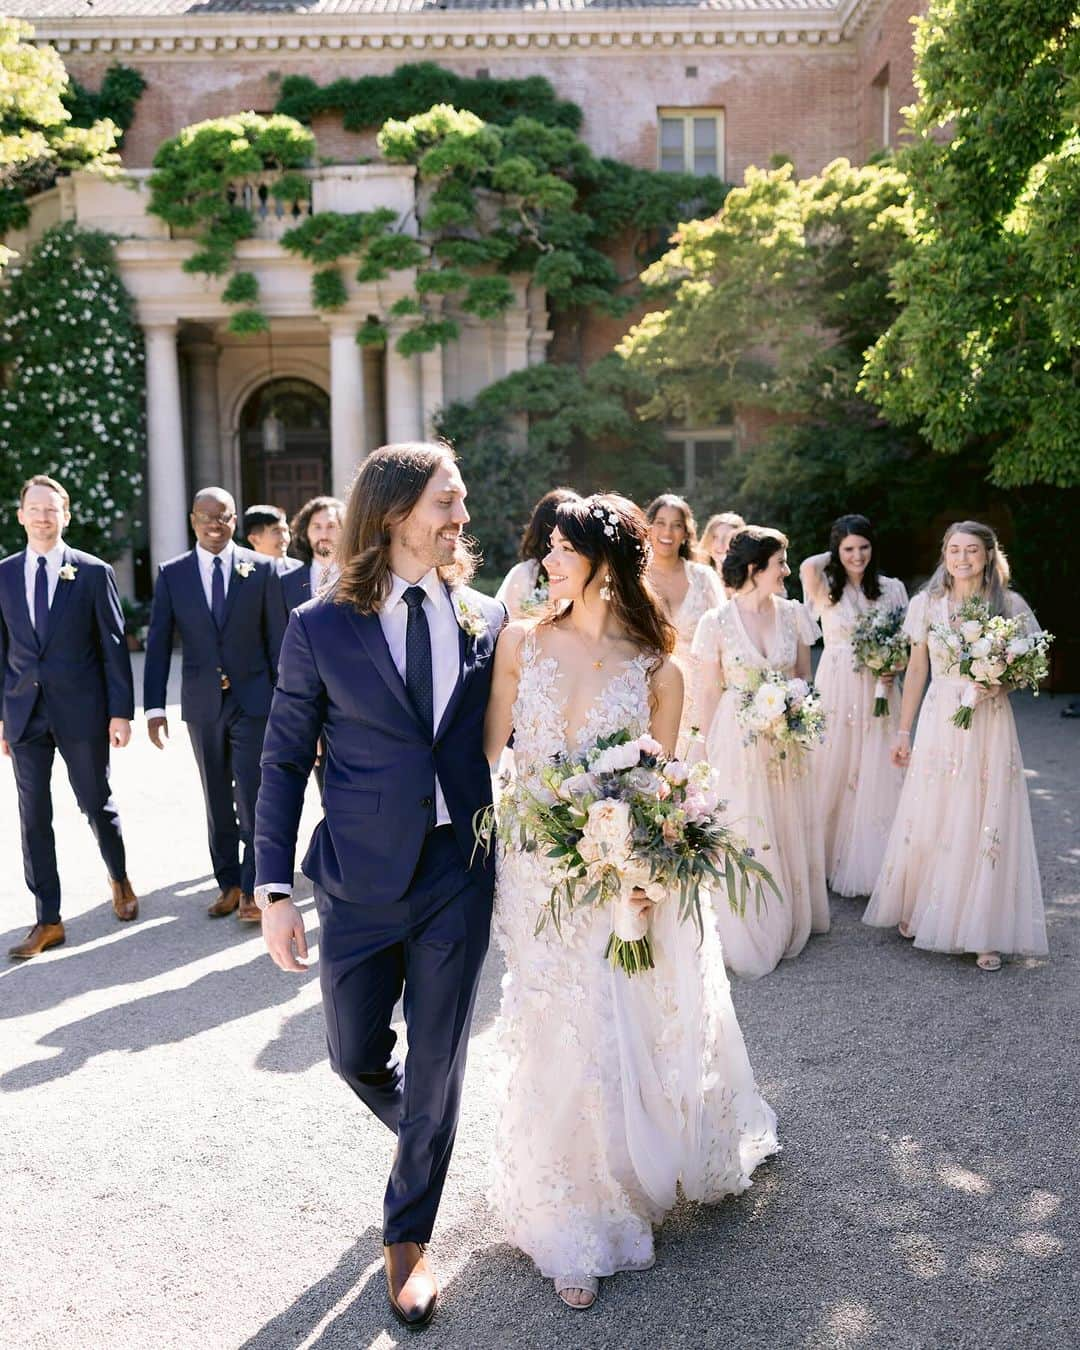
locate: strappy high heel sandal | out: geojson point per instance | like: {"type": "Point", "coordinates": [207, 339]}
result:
{"type": "Point", "coordinates": [577, 1284]}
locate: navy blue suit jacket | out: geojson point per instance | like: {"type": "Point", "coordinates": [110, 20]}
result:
{"type": "Point", "coordinates": [246, 648]}
{"type": "Point", "coordinates": [82, 668]}
{"type": "Point", "coordinates": [338, 680]}
{"type": "Point", "coordinates": [296, 586]}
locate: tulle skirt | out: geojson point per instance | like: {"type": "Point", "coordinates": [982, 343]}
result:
{"type": "Point", "coordinates": [615, 1089]}
{"type": "Point", "coordinates": [856, 788]}
{"type": "Point", "coordinates": [960, 868]}
{"type": "Point", "coordinates": [771, 803]}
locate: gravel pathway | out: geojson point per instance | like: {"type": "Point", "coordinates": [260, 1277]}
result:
{"type": "Point", "coordinates": [181, 1169]}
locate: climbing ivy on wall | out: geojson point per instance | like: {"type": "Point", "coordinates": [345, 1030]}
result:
{"type": "Point", "coordinates": [121, 89]}
{"type": "Point", "coordinates": [371, 100]}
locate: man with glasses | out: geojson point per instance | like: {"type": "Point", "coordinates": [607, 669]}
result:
{"type": "Point", "coordinates": [66, 685]}
{"type": "Point", "coordinates": [225, 602]}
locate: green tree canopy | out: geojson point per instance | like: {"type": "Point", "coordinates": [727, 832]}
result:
{"type": "Point", "coordinates": [985, 350]}
{"type": "Point", "coordinates": [39, 135]}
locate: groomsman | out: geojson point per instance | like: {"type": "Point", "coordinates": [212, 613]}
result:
{"type": "Point", "coordinates": [66, 686]}
{"type": "Point", "coordinates": [267, 532]}
{"type": "Point", "coordinates": [316, 528]}
{"type": "Point", "coordinates": [225, 603]}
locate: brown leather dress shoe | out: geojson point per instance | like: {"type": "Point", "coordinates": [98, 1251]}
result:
{"type": "Point", "coordinates": [42, 935]}
{"type": "Point", "coordinates": [226, 902]}
{"type": "Point", "coordinates": [410, 1283]}
{"type": "Point", "coordinates": [125, 902]}
{"type": "Point", "coordinates": [249, 911]}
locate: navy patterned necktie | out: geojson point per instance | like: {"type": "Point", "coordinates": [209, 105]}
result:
{"type": "Point", "coordinates": [419, 680]}
{"type": "Point", "coordinates": [41, 598]}
{"type": "Point", "coordinates": [217, 594]}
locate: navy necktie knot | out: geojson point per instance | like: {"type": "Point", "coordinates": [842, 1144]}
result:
{"type": "Point", "coordinates": [414, 597]}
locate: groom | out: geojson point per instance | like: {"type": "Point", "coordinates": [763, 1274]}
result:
{"type": "Point", "coordinates": [392, 670]}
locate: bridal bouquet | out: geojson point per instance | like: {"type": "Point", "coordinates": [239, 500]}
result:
{"type": "Point", "coordinates": [991, 649]}
{"type": "Point", "coordinates": [621, 816]}
{"type": "Point", "coordinates": [880, 645]}
{"type": "Point", "coordinates": [788, 712]}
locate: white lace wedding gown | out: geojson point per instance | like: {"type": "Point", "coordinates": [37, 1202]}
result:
{"type": "Point", "coordinates": [615, 1089]}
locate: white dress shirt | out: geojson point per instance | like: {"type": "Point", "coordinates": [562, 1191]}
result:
{"type": "Point", "coordinates": [445, 664]}
{"type": "Point", "coordinates": [317, 571]}
{"type": "Point", "coordinates": [54, 560]}
{"type": "Point", "coordinates": [445, 649]}
{"type": "Point", "coordinates": [205, 559]}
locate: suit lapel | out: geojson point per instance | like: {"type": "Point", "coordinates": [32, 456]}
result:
{"type": "Point", "coordinates": [60, 598]}
{"type": "Point", "coordinates": [235, 582]}
{"type": "Point", "coordinates": [466, 661]}
{"type": "Point", "coordinates": [370, 632]}
{"type": "Point", "coordinates": [15, 580]}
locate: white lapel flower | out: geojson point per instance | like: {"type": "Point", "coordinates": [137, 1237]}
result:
{"type": "Point", "coordinates": [470, 620]}
{"type": "Point", "coordinates": [67, 572]}
{"type": "Point", "coordinates": [245, 569]}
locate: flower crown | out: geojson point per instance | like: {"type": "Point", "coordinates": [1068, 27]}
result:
{"type": "Point", "coordinates": [610, 519]}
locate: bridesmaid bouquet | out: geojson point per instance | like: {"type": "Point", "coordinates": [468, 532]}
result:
{"type": "Point", "coordinates": [537, 599]}
{"type": "Point", "coordinates": [991, 649]}
{"type": "Point", "coordinates": [621, 816]}
{"type": "Point", "coordinates": [787, 712]}
{"type": "Point", "coordinates": [880, 645]}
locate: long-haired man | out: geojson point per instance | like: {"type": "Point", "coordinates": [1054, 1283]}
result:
{"type": "Point", "coordinates": [391, 668]}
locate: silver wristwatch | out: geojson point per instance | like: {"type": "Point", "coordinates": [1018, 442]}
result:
{"type": "Point", "coordinates": [271, 897]}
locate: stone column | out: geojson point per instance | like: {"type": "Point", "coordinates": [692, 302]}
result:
{"type": "Point", "coordinates": [205, 427]}
{"type": "Point", "coordinates": [403, 415]}
{"type": "Point", "coordinates": [166, 482]}
{"type": "Point", "coordinates": [431, 381]}
{"type": "Point", "coordinates": [347, 440]}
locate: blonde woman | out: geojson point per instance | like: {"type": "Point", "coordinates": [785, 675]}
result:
{"type": "Point", "coordinates": [960, 872]}
{"type": "Point", "coordinates": [717, 535]}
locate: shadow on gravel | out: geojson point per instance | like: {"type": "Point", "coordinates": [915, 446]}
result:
{"type": "Point", "coordinates": [101, 952]}
{"type": "Point", "coordinates": [160, 1019]}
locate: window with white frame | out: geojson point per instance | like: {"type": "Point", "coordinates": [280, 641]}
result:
{"type": "Point", "coordinates": [692, 140]}
{"type": "Point", "coordinates": [695, 456]}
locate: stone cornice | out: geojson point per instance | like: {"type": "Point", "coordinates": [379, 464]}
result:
{"type": "Point", "coordinates": [478, 33]}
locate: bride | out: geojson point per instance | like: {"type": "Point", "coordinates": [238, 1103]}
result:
{"type": "Point", "coordinates": [617, 1088]}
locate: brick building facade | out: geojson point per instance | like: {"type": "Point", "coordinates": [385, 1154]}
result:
{"type": "Point", "coordinates": [718, 85]}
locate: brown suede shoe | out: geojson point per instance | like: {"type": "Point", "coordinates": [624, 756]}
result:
{"type": "Point", "coordinates": [226, 902]}
{"type": "Point", "coordinates": [249, 911]}
{"type": "Point", "coordinates": [410, 1283]}
{"type": "Point", "coordinates": [125, 902]}
{"type": "Point", "coordinates": [42, 935]}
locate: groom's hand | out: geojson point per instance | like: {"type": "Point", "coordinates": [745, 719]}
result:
{"type": "Point", "coordinates": [283, 933]}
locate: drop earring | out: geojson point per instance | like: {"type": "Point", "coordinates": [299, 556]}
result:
{"type": "Point", "coordinates": [605, 589]}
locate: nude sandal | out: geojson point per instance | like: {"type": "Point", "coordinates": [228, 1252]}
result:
{"type": "Point", "coordinates": [586, 1284]}
{"type": "Point", "coordinates": [988, 961]}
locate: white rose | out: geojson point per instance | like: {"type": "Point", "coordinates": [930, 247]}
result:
{"type": "Point", "coordinates": [981, 648]}
{"type": "Point", "coordinates": [578, 785]}
{"type": "Point", "coordinates": [608, 829]}
{"type": "Point", "coordinates": [616, 757]}
{"type": "Point", "coordinates": [980, 670]}
{"type": "Point", "coordinates": [675, 771]}
{"type": "Point", "coordinates": [1019, 646]}
{"type": "Point", "coordinates": [647, 746]}
{"type": "Point", "coordinates": [971, 630]}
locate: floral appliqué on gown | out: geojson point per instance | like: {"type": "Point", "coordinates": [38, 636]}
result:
{"type": "Point", "coordinates": [616, 1090]}
{"type": "Point", "coordinates": [961, 870]}
{"type": "Point", "coordinates": [770, 801]}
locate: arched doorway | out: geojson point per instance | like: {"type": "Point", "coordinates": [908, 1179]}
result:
{"type": "Point", "coordinates": [285, 444]}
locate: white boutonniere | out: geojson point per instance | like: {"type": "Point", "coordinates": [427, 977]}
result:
{"type": "Point", "coordinates": [470, 619]}
{"type": "Point", "coordinates": [245, 569]}
{"type": "Point", "coordinates": [67, 572]}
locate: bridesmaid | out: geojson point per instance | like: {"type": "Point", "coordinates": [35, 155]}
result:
{"type": "Point", "coordinates": [770, 800]}
{"type": "Point", "coordinates": [717, 533]}
{"type": "Point", "coordinates": [960, 871]}
{"type": "Point", "coordinates": [524, 588]}
{"type": "Point", "coordinates": [686, 588]}
{"type": "Point", "coordinates": [855, 784]}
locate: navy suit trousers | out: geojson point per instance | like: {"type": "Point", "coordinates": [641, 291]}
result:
{"type": "Point", "coordinates": [227, 752]}
{"type": "Point", "coordinates": [88, 771]}
{"type": "Point", "coordinates": [427, 947]}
